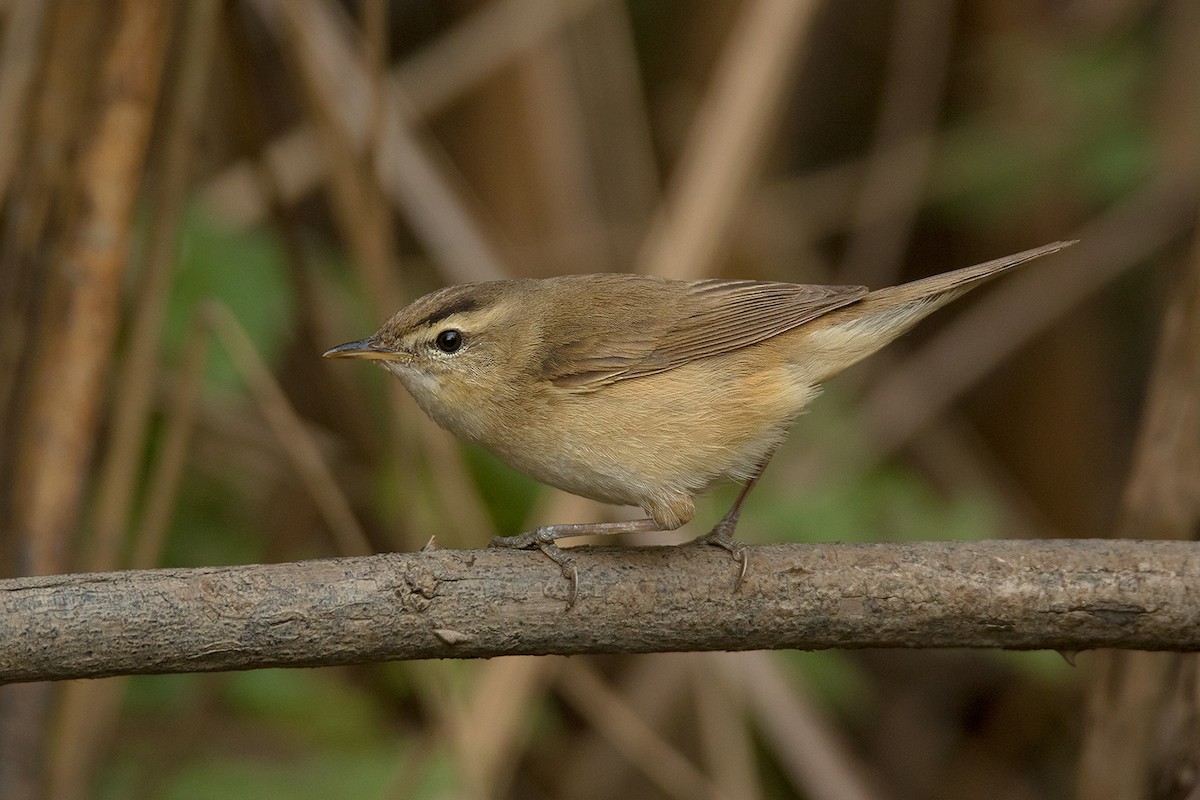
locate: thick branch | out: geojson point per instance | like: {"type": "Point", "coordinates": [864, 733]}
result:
{"type": "Point", "coordinates": [1067, 595]}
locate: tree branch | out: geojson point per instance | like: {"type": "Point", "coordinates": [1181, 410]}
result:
{"type": "Point", "coordinates": [1067, 595]}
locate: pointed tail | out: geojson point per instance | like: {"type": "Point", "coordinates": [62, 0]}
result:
{"type": "Point", "coordinates": [849, 334]}
{"type": "Point", "coordinates": [937, 290]}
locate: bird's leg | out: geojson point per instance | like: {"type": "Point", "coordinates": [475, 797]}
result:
{"type": "Point", "coordinates": [722, 533]}
{"type": "Point", "coordinates": [543, 539]}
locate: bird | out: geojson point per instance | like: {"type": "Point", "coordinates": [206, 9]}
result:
{"type": "Point", "coordinates": [639, 390]}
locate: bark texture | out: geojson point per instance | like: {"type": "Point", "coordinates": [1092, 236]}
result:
{"type": "Point", "coordinates": [1066, 595]}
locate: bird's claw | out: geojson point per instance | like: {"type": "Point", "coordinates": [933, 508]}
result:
{"type": "Point", "coordinates": [719, 537]}
{"type": "Point", "coordinates": [543, 539]}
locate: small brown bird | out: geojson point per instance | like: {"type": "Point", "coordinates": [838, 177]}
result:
{"type": "Point", "coordinates": [636, 390]}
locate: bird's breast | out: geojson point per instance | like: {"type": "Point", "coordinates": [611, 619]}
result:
{"type": "Point", "coordinates": [660, 435]}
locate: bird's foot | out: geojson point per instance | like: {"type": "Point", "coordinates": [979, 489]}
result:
{"type": "Point", "coordinates": [543, 539]}
{"type": "Point", "coordinates": [720, 536]}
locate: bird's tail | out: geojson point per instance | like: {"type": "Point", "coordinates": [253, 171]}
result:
{"type": "Point", "coordinates": [937, 290]}
{"type": "Point", "coordinates": [849, 334]}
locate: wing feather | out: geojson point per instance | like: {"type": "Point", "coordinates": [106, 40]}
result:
{"type": "Point", "coordinates": [708, 318]}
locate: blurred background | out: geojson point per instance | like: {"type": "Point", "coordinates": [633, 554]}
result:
{"type": "Point", "coordinates": [199, 198]}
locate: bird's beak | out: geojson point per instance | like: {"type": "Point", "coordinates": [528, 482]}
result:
{"type": "Point", "coordinates": [368, 349]}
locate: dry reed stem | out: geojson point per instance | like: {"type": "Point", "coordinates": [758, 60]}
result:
{"type": "Point", "coordinates": [315, 299]}
{"type": "Point", "coordinates": [374, 24]}
{"type": "Point", "coordinates": [360, 209]}
{"type": "Point", "coordinates": [728, 136]}
{"type": "Point", "coordinates": [24, 26]}
{"type": "Point", "coordinates": [356, 201]}
{"type": "Point", "coordinates": [166, 472]}
{"type": "Point", "coordinates": [416, 175]}
{"type": "Point", "coordinates": [560, 150]}
{"type": "Point", "coordinates": [462, 58]}
{"type": "Point", "coordinates": [72, 36]}
{"type": "Point", "coordinates": [79, 320]}
{"type": "Point", "coordinates": [83, 306]}
{"type": "Point", "coordinates": [655, 684]}
{"type": "Point", "coordinates": [918, 62]}
{"type": "Point", "coordinates": [494, 724]}
{"type": "Point", "coordinates": [723, 727]}
{"type": "Point", "coordinates": [610, 716]}
{"type": "Point", "coordinates": [811, 752]}
{"type": "Point", "coordinates": [290, 431]}
{"type": "Point", "coordinates": [88, 711]}
{"type": "Point", "coordinates": [382, 278]}
{"type": "Point", "coordinates": [138, 372]}
{"type": "Point", "coordinates": [609, 81]}
{"type": "Point", "coordinates": [352, 190]}
{"type": "Point", "coordinates": [362, 216]}
{"type": "Point", "coordinates": [479, 46]}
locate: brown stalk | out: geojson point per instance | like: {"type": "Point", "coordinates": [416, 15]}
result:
{"type": "Point", "coordinates": [918, 62]}
{"type": "Point", "coordinates": [785, 217]}
{"type": "Point", "coordinates": [167, 470]}
{"type": "Point", "coordinates": [134, 389]}
{"type": "Point", "coordinates": [290, 432]}
{"type": "Point", "coordinates": [56, 132]}
{"type": "Point", "coordinates": [492, 726]}
{"type": "Point", "coordinates": [462, 58]}
{"type": "Point", "coordinates": [727, 141]}
{"type": "Point", "coordinates": [656, 685]}
{"type": "Point", "coordinates": [19, 58]}
{"type": "Point", "coordinates": [608, 83]}
{"type": "Point", "coordinates": [355, 193]}
{"type": "Point", "coordinates": [417, 177]}
{"type": "Point", "coordinates": [361, 211]}
{"type": "Point", "coordinates": [88, 711]}
{"type": "Point", "coordinates": [560, 150]}
{"type": "Point", "coordinates": [75, 339]}
{"type": "Point", "coordinates": [319, 326]}
{"type": "Point", "coordinates": [383, 277]}
{"type": "Point", "coordinates": [810, 751]}
{"type": "Point", "coordinates": [78, 320]}
{"type": "Point", "coordinates": [374, 15]}
{"type": "Point", "coordinates": [633, 738]}
{"type": "Point", "coordinates": [358, 208]}
{"type": "Point", "coordinates": [724, 731]}
{"type": "Point", "coordinates": [382, 280]}
{"type": "Point", "coordinates": [480, 46]}
{"type": "Point", "coordinates": [1142, 718]}
{"type": "Point", "coordinates": [351, 188]}
{"type": "Point", "coordinates": [48, 163]}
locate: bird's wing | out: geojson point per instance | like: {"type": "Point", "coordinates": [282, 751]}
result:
{"type": "Point", "coordinates": [710, 317]}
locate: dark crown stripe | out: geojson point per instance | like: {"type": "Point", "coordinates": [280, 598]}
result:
{"type": "Point", "coordinates": [459, 305]}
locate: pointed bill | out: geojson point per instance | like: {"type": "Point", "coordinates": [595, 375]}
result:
{"type": "Point", "coordinates": [369, 349]}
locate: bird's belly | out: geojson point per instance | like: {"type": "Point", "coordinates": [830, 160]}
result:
{"type": "Point", "coordinates": [658, 437]}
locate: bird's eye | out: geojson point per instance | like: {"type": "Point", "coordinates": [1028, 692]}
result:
{"type": "Point", "coordinates": [449, 340]}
